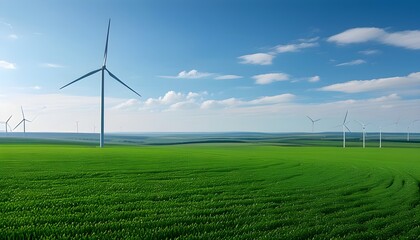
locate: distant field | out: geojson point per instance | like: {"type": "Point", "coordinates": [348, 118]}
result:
{"type": "Point", "coordinates": [210, 191]}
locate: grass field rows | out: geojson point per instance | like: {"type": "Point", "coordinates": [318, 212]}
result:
{"type": "Point", "coordinates": [214, 191]}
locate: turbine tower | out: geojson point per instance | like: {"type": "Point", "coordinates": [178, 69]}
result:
{"type": "Point", "coordinates": [313, 122]}
{"type": "Point", "coordinates": [363, 131]}
{"type": "Point", "coordinates": [380, 137]}
{"type": "Point", "coordinates": [6, 124]}
{"type": "Point", "coordinates": [344, 129]}
{"type": "Point", "coordinates": [24, 120]}
{"type": "Point", "coordinates": [103, 69]}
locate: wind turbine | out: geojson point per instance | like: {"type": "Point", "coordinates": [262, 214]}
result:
{"type": "Point", "coordinates": [380, 137]}
{"type": "Point", "coordinates": [103, 69]}
{"type": "Point", "coordinates": [344, 129]}
{"type": "Point", "coordinates": [313, 122]}
{"type": "Point", "coordinates": [364, 131]}
{"type": "Point", "coordinates": [6, 124]}
{"type": "Point", "coordinates": [24, 120]}
{"type": "Point", "coordinates": [408, 129]}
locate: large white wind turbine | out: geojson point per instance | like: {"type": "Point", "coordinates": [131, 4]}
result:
{"type": "Point", "coordinates": [6, 124]}
{"type": "Point", "coordinates": [313, 122]}
{"type": "Point", "coordinates": [24, 120]}
{"type": "Point", "coordinates": [344, 129]}
{"type": "Point", "coordinates": [363, 131]}
{"type": "Point", "coordinates": [103, 69]}
{"type": "Point", "coordinates": [408, 129]}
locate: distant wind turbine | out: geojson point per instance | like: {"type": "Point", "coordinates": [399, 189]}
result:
{"type": "Point", "coordinates": [103, 69]}
{"type": "Point", "coordinates": [313, 122]}
{"type": "Point", "coordinates": [363, 131]}
{"type": "Point", "coordinates": [344, 129]}
{"type": "Point", "coordinates": [24, 120]}
{"type": "Point", "coordinates": [6, 124]}
{"type": "Point", "coordinates": [408, 129]}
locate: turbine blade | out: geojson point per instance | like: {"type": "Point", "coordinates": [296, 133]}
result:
{"type": "Point", "coordinates": [345, 117]}
{"type": "Point", "coordinates": [361, 124]}
{"type": "Point", "coordinates": [19, 124]}
{"type": "Point", "coordinates": [106, 44]}
{"type": "Point", "coordinates": [347, 128]}
{"type": "Point", "coordinates": [80, 78]}
{"type": "Point", "coordinates": [9, 118]}
{"type": "Point", "coordinates": [317, 120]}
{"type": "Point", "coordinates": [112, 75]}
{"type": "Point", "coordinates": [23, 114]}
{"type": "Point", "coordinates": [310, 118]}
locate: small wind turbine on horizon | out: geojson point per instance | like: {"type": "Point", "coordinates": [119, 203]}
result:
{"type": "Point", "coordinates": [344, 129]}
{"type": "Point", "coordinates": [408, 129]}
{"type": "Point", "coordinates": [6, 124]}
{"type": "Point", "coordinates": [313, 122]}
{"type": "Point", "coordinates": [363, 131]}
{"type": "Point", "coordinates": [103, 69]}
{"type": "Point", "coordinates": [24, 120]}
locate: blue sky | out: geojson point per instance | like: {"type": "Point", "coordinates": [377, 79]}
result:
{"type": "Point", "coordinates": [212, 65]}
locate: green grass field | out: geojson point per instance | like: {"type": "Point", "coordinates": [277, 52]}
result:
{"type": "Point", "coordinates": [208, 191]}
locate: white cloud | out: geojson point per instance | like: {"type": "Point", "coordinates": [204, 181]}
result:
{"type": "Point", "coordinates": [257, 59]}
{"type": "Point", "coordinates": [294, 47]}
{"type": "Point", "coordinates": [405, 39]}
{"type": "Point", "coordinates": [7, 65]}
{"type": "Point", "coordinates": [237, 103]}
{"type": "Point", "coordinates": [193, 74]}
{"type": "Point", "coordinates": [172, 97]}
{"type": "Point", "coordinates": [270, 78]}
{"type": "Point", "coordinates": [352, 63]}
{"type": "Point", "coordinates": [227, 77]}
{"type": "Point", "coordinates": [127, 104]}
{"type": "Point", "coordinates": [314, 79]}
{"type": "Point", "coordinates": [287, 97]}
{"type": "Point", "coordinates": [272, 113]}
{"type": "Point", "coordinates": [357, 35]}
{"type": "Point", "coordinates": [13, 36]}
{"type": "Point", "coordinates": [51, 65]}
{"type": "Point", "coordinates": [369, 52]}
{"type": "Point", "coordinates": [356, 86]}
{"type": "Point", "coordinates": [314, 39]}
{"type": "Point", "coordinates": [36, 87]}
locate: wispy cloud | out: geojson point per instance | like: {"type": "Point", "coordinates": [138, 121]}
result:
{"type": "Point", "coordinates": [267, 58]}
{"type": "Point", "coordinates": [287, 97]}
{"type": "Point", "coordinates": [294, 47]}
{"type": "Point", "coordinates": [193, 74]}
{"type": "Point", "coordinates": [237, 103]}
{"type": "Point", "coordinates": [405, 39]}
{"type": "Point", "coordinates": [7, 65]}
{"type": "Point", "coordinates": [227, 77]}
{"type": "Point", "coordinates": [356, 86]}
{"type": "Point", "coordinates": [51, 65]}
{"type": "Point", "coordinates": [351, 63]}
{"type": "Point", "coordinates": [257, 59]}
{"type": "Point", "coordinates": [314, 79]}
{"type": "Point", "coordinates": [270, 78]}
{"type": "Point", "coordinates": [37, 87]}
{"type": "Point", "coordinates": [127, 104]}
{"type": "Point", "coordinates": [369, 52]}
{"type": "Point", "coordinates": [8, 25]}
{"type": "Point", "coordinates": [13, 36]}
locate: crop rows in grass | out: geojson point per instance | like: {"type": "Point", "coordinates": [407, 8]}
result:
{"type": "Point", "coordinates": [209, 191]}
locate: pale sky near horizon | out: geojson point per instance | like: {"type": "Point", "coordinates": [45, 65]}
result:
{"type": "Point", "coordinates": [250, 65]}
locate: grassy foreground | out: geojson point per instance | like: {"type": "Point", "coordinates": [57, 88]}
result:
{"type": "Point", "coordinates": [215, 191]}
